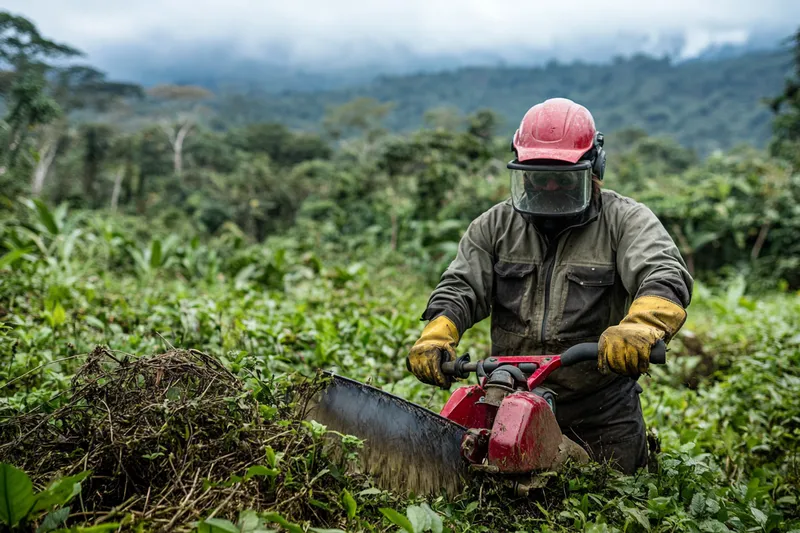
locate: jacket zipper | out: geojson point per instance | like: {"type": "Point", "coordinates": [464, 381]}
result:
{"type": "Point", "coordinates": [550, 261]}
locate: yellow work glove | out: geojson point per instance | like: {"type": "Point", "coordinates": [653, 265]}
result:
{"type": "Point", "coordinates": [435, 346]}
{"type": "Point", "coordinates": [625, 348]}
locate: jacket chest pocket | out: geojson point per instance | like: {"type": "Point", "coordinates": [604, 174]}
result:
{"type": "Point", "coordinates": [588, 302]}
{"type": "Point", "coordinates": [514, 287]}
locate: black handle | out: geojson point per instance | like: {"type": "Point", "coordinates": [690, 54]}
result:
{"type": "Point", "coordinates": [459, 368]}
{"type": "Point", "coordinates": [658, 353]}
{"type": "Point", "coordinates": [587, 351]}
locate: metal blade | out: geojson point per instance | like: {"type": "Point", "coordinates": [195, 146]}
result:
{"type": "Point", "coordinates": [407, 448]}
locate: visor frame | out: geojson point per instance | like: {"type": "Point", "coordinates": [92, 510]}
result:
{"type": "Point", "coordinates": [581, 166]}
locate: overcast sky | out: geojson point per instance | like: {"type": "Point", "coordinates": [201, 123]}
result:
{"type": "Point", "coordinates": [310, 31]}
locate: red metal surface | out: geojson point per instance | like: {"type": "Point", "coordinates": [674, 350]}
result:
{"type": "Point", "coordinates": [517, 359]}
{"type": "Point", "coordinates": [551, 363]}
{"type": "Point", "coordinates": [547, 364]}
{"type": "Point", "coordinates": [525, 435]}
{"type": "Point", "coordinates": [463, 407]}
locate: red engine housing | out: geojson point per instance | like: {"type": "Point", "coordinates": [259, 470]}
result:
{"type": "Point", "coordinates": [523, 434]}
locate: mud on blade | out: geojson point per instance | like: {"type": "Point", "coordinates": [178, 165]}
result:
{"type": "Point", "coordinates": [407, 448]}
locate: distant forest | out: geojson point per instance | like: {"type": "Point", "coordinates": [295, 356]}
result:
{"type": "Point", "coordinates": [704, 104]}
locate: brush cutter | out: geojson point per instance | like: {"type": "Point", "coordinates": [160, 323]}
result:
{"type": "Point", "coordinates": [505, 424]}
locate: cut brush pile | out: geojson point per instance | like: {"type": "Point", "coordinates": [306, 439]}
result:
{"type": "Point", "coordinates": [176, 437]}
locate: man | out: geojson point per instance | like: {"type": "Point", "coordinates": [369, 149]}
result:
{"type": "Point", "coordinates": [559, 263]}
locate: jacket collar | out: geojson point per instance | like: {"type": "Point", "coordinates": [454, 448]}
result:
{"type": "Point", "coordinates": [591, 214]}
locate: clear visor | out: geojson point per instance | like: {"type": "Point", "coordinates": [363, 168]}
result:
{"type": "Point", "coordinates": [551, 192]}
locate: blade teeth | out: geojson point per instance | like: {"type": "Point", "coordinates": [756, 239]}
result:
{"type": "Point", "coordinates": [406, 448]}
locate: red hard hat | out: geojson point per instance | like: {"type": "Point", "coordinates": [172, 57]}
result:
{"type": "Point", "coordinates": [557, 129]}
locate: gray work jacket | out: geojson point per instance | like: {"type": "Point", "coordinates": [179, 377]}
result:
{"type": "Point", "coordinates": [543, 299]}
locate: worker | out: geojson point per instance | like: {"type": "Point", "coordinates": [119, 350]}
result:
{"type": "Point", "coordinates": [562, 262]}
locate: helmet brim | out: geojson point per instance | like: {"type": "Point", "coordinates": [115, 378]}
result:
{"type": "Point", "coordinates": [554, 154]}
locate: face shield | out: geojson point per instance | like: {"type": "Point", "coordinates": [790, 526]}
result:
{"type": "Point", "coordinates": [551, 190]}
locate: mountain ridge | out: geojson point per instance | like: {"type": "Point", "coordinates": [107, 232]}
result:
{"type": "Point", "coordinates": [706, 104]}
{"type": "Point", "coordinates": [274, 67]}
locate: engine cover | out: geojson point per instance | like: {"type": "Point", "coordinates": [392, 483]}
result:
{"type": "Point", "coordinates": [525, 434]}
{"type": "Point", "coordinates": [466, 407]}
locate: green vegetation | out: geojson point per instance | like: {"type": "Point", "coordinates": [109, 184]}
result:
{"type": "Point", "coordinates": [270, 311]}
{"type": "Point", "coordinates": [164, 310]}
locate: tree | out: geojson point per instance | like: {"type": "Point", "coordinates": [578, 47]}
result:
{"type": "Point", "coordinates": [444, 117]}
{"type": "Point", "coordinates": [483, 124]}
{"type": "Point", "coordinates": [304, 147]}
{"type": "Point", "coordinates": [40, 95]}
{"type": "Point", "coordinates": [152, 161]}
{"type": "Point", "coordinates": [362, 116]}
{"type": "Point", "coordinates": [123, 155]}
{"type": "Point", "coordinates": [97, 142]}
{"type": "Point", "coordinates": [210, 150]}
{"type": "Point", "coordinates": [786, 108]}
{"type": "Point", "coordinates": [50, 142]}
{"type": "Point", "coordinates": [284, 147]}
{"type": "Point", "coordinates": [182, 103]}
{"type": "Point", "coordinates": [23, 83]}
{"type": "Point", "coordinates": [21, 42]}
{"type": "Point", "coordinates": [624, 139]}
{"type": "Point", "coordinates": [73, 88]}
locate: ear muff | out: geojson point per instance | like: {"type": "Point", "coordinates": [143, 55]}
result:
{"type": "Point", "coordinates": [599, 163]}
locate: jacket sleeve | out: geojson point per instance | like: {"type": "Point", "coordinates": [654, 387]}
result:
{"type": "Point", "coordinates": [464, 292]}
{"type": "Point", "coordinates": [648, 259]}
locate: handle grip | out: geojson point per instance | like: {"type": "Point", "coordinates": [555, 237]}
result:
{"type": "Point", "coordinates": [459, 368]}
{"type": "Point", "coordinates": [587, 351]}
{"type": "Point", "coordinates": [658, 353]}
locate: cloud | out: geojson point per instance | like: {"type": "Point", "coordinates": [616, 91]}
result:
{"type": "Point", "coordinates": [316, 32]}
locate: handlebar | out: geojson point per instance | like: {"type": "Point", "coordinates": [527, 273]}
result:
{"type": "Point", "coordinates": [460, 367]}
{"type": "Point", "coordinates": [579, 353]}
{"type": "Point", "coordinates": [587, 351]}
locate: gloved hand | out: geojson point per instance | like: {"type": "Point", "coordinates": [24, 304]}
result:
{"type": "Point", "coordinates": [625, 348]}
{"type": "Point", "coordinates": [435, 346]}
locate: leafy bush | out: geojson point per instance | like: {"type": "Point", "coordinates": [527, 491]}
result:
{"type": "Point", "coordinates": [724, 407]}
{"type": "Point", "coordinates": [19, 505]}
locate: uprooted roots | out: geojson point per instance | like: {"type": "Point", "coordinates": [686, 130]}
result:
{"type": "Point", "coordinates": [163, 436]}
